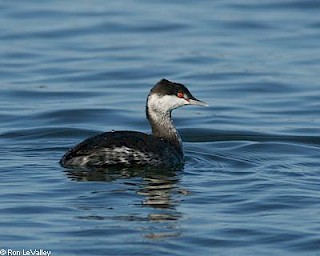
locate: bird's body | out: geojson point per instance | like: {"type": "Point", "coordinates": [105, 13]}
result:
{"type": "Point", "coordinates": [124, 149]}
{"type": "Point", "coordinates": [135, 149]}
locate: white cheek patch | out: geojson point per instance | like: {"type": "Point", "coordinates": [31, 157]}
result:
{"type": "Point", "coordinates": [166, 102]}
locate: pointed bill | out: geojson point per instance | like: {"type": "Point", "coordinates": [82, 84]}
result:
{"type": "Point", "coordinates": [195, 101]}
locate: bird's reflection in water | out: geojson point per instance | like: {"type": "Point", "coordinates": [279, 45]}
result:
{"type": "Point", "coordinates": [158, 188]}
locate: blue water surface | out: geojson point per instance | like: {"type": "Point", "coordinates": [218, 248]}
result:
{"type": "Point", "coordinates": [250, 185]}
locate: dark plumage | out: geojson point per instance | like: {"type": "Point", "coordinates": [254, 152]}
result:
{"type": "Point", "coordinates": [165, 87]}
{"type": "Point", "coordinates": [145, 149]}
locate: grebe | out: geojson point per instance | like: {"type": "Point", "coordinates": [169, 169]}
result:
{"type": "Point", "coordinates": [135, 149]}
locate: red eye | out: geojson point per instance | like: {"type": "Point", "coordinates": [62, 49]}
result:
{"type": "Point", "coordinates": [180, 95]}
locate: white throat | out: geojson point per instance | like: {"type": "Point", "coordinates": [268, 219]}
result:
{"type": "Point", "coordinates": [159, 114]}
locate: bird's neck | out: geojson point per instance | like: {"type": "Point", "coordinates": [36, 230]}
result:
{"type": "Point", "coordinates": [162, 126]}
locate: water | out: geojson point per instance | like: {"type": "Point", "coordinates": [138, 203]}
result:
{"type": "Point", "coordinates": [250, 185]}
